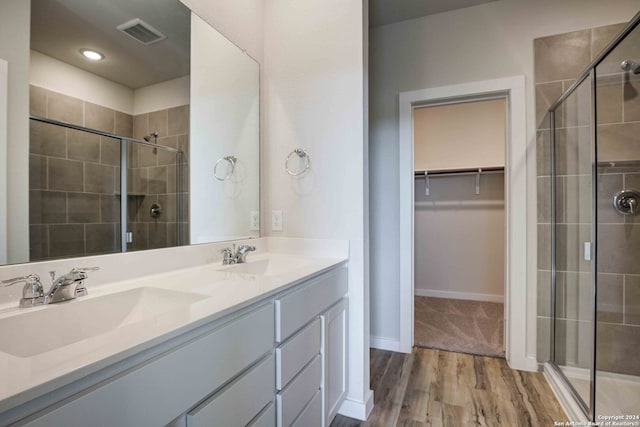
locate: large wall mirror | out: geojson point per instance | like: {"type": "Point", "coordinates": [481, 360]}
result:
{"type": "Point", "coordinates": [143, 131]}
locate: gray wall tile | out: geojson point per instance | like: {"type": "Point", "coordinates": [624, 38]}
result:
{"type": "Point", "coordinates": [619, 142]}
{"type": "Point", "coordinates": [147, 156]}
{"type": "Point", "coordinates": [83, 146]}
{"type": "Point", "coordinates": [573, 199]}
{"type": "Point", "coordinates": [109, 208]}
{"type": "Point", "coordinates": [37, 101]}
{"type": "Point", "coordinates": [610, 297]}
{"type": "Point", "coordinates": [157, 235]}
{"type": "Point", "coordinates": [617, 346]}
{"type": "Point", "coordinates": [47, 140]}
{"type": "Point", "coordinates": [99, 178]}
{"type": "Point", "coordinates": [99, 118]}
{"type": "Point", "coordinates": [573, 157]}
{"type": "Point", "coordinates": [124, 124]}
{"type": "Point", "coordinates": [562, 56]}
{"type": "Point", "coordinates": [543, 153]}
{"type": "Point", "coordinates": [65, 108]}
{"type": "Point", "coordinates": [608, 186]}
{"type": "Point", "coordinates": [101, 238]}
{"type": "Point", "coordinates": [38, 242]}
{"type": "Point", "coordinates": [544, 293]}
{"type": "Point", "coordinates": [618, 248]}
{"type": "Point", "coordinates": [48, 207]}
{"type": "Point", "coordinates": [66, 175]}
{"type": "Point", "coordinates": [37, 172]}
{"type": "Point", "coordinates": [602, 36]}
{"type": "Point", "coordinates": [569, 247]}
{"type": "Point", "coordinates": [66, 240]}
{"type": "Point", "coordinates": [544, 247]}
{"type": "Point", "coordinates": [609, 99]}
{"type": "Point", "coordinates": [546, 94]}
{"type": "Point", "coordinates": [178, 120]}
{"type": "Point", "coordinates": [157, 180]}
{"type": "Point", "coordinates": [109, 151]}
{"type": "Point", "coordinates": [84, 208]}
{"type": "Point", "coordinates": [632, 300]}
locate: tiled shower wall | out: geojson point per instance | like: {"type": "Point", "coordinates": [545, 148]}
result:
{"type": "Point", "coordinates": [74, 178]}
{"type": "Point", "coordinates": [153, 178]}
{"type": "Point", "coordinates": [558, 60]}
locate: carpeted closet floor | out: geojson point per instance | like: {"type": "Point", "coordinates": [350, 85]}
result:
{"type": "Point", "coordinates": [473, 327]}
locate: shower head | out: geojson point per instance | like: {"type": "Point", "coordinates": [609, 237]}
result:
{"type": "Point", "coordinates": [151, 135]}
{"type": "Point", "coordinates": [629, 65]}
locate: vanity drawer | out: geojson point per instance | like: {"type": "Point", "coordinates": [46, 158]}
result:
{"type": "Point", "coordinates": [267, 418]}
{"type": "Point", "coordinates": [238, 403]}
{"type": "Point", "coordinates": [294, 398]}
{"type": "Point", "coordinates": [311, 415]}
{"type": "Point", "coordinates": [294, 310]}
{"type": "Point", "coordinates": [294, 354]}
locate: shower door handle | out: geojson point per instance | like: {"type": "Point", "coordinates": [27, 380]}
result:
{"type": "Point", "coordinates": [627, 202]}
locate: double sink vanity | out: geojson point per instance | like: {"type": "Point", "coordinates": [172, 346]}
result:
{"type": "Point", "coordinates": [261, 343]}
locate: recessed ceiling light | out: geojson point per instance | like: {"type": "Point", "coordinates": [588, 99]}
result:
{"type": "Point", "coordinates": [92, 54]}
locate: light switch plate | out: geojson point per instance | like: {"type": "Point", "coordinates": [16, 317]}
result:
{"type": "Point", "coordinates": [276, 220]}
{"type": "Point", "coordinates": [254, 221]}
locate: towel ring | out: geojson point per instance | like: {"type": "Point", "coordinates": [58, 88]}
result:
{"type": "Point", "coordinates": [301, 153]}
{"type": "Point", "coordinates": [231, 160]}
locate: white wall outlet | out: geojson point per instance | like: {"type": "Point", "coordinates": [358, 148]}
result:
{"type": "Point", "coordinates": [254, 221]}
{"type": "Point", "coordinates": [276, 220]}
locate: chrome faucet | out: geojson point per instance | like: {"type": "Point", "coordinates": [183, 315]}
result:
{"type": "Point", "coordinates": [241, 255]}
{"type": "Point", "coordinates": [64, 288]}
{"type": "Point", "coordinates": [233, 256]}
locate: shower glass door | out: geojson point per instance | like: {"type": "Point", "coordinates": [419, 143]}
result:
{"type": "Point", "coordinates": [573, 241]}
{"type": "Point", "coordinates": [618, 180]}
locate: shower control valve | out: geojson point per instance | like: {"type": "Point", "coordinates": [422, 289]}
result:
{"type": "Point", "coordinates": [627, 202]}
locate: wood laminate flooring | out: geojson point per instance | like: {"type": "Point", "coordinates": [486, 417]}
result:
{"type": "Point", "coordinates": [440, 388]}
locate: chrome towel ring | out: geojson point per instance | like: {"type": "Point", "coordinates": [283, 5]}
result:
{"type": "Point", "coordinates": [231, 166]}
{"type": "Point", "coordinates": [301, 153]}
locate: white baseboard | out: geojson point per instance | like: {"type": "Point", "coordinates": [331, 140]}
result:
{"type": "Point", "coordinates": [356, 409]}
{"type": "Point", "coordinates": [382, 343]}
{"type": "Point", "coordinates": [458, 295]}
{"type": "Point", "coordinates": [571, 408]}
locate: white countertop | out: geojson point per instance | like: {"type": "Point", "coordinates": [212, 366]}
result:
{"type": "Point", "coordinates": [220, 292]}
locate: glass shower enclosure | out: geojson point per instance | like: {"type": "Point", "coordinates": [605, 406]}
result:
{"type": "Point", "coordinates": [595, 208]}
{"type": "Point", "coordinates": [93, 192]}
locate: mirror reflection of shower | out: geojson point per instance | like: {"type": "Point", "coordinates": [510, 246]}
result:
{"type": "Point", "coordinates": [153, 135]}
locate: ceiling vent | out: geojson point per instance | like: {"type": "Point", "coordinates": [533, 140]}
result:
{"type": "Point", "coordinates": [141, 31]}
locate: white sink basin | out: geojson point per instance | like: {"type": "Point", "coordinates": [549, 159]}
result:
{"type": "Point", "coordinates": [34, 332]}
{"type": "Point", "coordinates": [272, 266]}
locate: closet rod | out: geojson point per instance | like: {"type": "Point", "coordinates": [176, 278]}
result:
{"type": "Point", "coordinates": [452, 172]}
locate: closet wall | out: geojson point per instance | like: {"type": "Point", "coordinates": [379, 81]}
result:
{"type": "Point", "coordinates": [459, 235]}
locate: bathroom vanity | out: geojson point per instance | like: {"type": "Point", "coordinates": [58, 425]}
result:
{"type": "Point", "coordinates": [263, 343]}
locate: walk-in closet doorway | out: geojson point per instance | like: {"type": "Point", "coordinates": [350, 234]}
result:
{"type": "Point", "coordinates": [511, 91]}
{"type": "Point", "coordinates": [459, 226]}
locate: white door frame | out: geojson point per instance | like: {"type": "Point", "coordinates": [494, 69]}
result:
{"type": "Point", "coordinates": [513, 90]}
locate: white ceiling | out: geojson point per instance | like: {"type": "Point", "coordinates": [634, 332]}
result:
{"type": "Point", "coordinates": [60, 28]}
{"type": "Point", "coordinates": [383, 12]}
